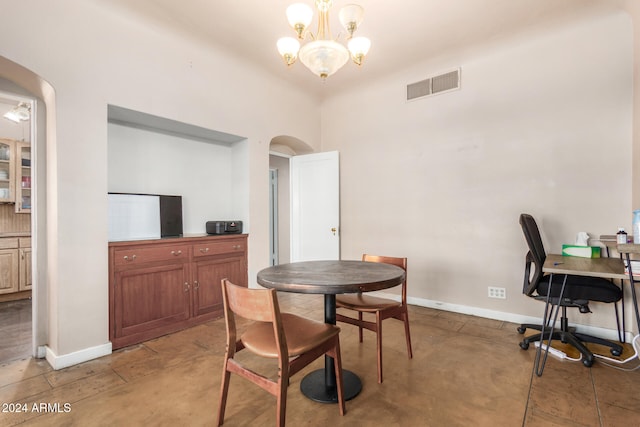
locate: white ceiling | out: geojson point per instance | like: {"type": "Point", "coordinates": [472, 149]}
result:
{"type": "Point", "coordinates": [402, 31]}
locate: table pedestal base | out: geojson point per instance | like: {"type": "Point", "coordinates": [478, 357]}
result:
{"type": "Point", "coordinates": [313, 386]}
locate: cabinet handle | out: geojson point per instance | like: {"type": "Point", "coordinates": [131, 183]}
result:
{"type": "Point", "coordinates": [129, 258]}
{"type": "Point", "coordinates": [176, 253]}
{"type": "Point", "coordinates": [186, 286]}
{"type": "Point", "coordinates": [204, 250]}
{"type": "Point", "coordinates": [196, 285]}
{"type": "Point", "coordinates": [237, 246]}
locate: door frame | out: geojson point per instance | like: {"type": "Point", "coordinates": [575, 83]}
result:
{"type": "Point", "coordinates": [273, 217]}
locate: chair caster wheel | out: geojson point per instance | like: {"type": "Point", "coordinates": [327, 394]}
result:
{"type": "Point", "coordinates": [615, 352]}
{"type": "Point", "coordinates": [524, 345]}
{"type": "Point", "coordinates": [588, 363]}
{"type": "Point", "coordinates": [521, 330]}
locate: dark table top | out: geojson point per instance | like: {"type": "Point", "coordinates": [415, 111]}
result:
{"type": "Point", "coordinates": [331, 277]}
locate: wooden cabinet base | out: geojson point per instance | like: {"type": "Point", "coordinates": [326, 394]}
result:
{"type": "Point", "coordinates": [161, 286]}
{"type": "Point", "coordinates": [15, 296]}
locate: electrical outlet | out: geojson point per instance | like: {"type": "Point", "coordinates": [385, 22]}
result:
{"type": "Point", "coordinates": [500, 293]}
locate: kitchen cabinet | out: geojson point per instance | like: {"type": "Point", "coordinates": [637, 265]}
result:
{"type": "Point", "coordinates": [22, 170]}
{"type": "Point", "coordinates": [7, 174]}
{"type": "Point", "coordinates": [15, 265]}
{"type": "Point", "coordinates": [164, 285]}
{"type": "Point", "coordinates": [15, 174]}
{"type": "Point", "coordinates": [24, 269]}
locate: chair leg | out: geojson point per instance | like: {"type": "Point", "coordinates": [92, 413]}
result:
{"type": "Point", "coordinates": [224, 390]}
{"type": "Point", "coordinates": [405, 318]}
{"type": "Point", "coordinates": [337, 364]}
{"type": "Point", "coordinates": [616, 349]}
{"type": "Point", "coordinates": [360, 327]}
{"type": "Point", "coordinates": [379, 345]}
{"type": "Point", "coordinates": [282, 401]}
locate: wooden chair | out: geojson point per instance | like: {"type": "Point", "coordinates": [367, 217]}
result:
{"type": "Point", "coordinates": [382, 308]}
{"type": "Point", "coordinates": [293, 340]}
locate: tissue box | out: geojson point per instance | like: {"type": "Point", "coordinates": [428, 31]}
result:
{"type": "Point", "coordinates": [581, 251]}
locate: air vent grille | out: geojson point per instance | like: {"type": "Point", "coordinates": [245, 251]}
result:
{"type": "Point", "coordinates": [419, 89]}
{"type": "Point", "coordinates": [433, 85]}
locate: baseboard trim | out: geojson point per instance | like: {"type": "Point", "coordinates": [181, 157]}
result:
{"type": "Point", "coordinates": [609, 334]}
{"type": "Point", "coordinates": [64, 361]}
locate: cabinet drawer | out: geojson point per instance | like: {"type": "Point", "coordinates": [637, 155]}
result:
{"type": "Point", "coordinates": [216, 248]}
{"type": "Point", "coordinates": [139, 255]}
{"type": "Point", "coordinates": [9, 243]}
{"type": "Point", "coordinates": [25, 242]}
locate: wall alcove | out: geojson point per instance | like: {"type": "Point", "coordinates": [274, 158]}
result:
{"type": "Point", "coordinates": [148, 154]}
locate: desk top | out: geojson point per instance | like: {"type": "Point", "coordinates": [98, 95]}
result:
{"type": "Point", "coordinates": [331, 277]}
{"type": "Point", "coordinates": [607, 268]}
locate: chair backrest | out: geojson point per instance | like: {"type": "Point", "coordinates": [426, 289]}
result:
{"type": "Point", "coordinates": [400, 262]}
{"type": "Point", "coordinates": [259, 305]}
{"type": "Point", "coordinates": [536, 255]}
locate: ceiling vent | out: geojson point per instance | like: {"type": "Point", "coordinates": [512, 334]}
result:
{"type": "Point", "coordinates": [433, 85]}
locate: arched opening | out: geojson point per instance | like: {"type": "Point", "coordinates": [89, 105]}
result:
{"type": "Point", "coordinates": [281, 149]}
{"type": "Point", "coordinates": [31, 86]}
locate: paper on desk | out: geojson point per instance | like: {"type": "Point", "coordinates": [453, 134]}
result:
{"type": "Point", "coordinates": [635, 266]}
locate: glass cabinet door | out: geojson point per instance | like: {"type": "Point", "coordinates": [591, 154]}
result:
{"type": "Point", "coordinates": [7, 148]}
{"type": "Point", "coordinates": [23, 178]}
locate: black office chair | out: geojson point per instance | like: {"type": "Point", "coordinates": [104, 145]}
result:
{"type": "Point", "coordinates": [578, 292]}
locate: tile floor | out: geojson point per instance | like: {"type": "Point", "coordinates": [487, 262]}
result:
{"type": "Point", "coordinates": [466, 371]}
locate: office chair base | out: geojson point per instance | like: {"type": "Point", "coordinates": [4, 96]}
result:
{"type": "Point", "coordinates": [565, 338]}
{"type": "Point", "coordinates": [615, 349]}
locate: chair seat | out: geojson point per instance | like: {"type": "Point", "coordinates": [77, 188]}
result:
{"type": "Point", "coordinates": [366, 303]}
{"type": "Point", "coordinates": [302, 335]}
{"type": "Point", "coordinates": [582, 288]}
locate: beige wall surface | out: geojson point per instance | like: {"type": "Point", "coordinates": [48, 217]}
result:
{"type": "Point", "coordinates": [541, 124]}
{"type": "Point", "coordinates": [92, 57]}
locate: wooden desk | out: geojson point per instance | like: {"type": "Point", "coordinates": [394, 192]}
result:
{"type": "Point", "coordinates": [330, 278]}
{"type": "Point", "coordinates": [606, 268]}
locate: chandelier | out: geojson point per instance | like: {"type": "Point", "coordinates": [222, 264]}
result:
{"type": "Point", "coordinates": [323, 55]}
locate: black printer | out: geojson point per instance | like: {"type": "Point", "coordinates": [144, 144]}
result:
{"type": "Point", "coordinates": [224, 227]}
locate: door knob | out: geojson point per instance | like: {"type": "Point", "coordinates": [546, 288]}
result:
{"type": "Point", "coordinates": [333, 230]}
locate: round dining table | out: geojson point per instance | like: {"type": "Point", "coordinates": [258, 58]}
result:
{"type": "Point", "coordinates": [330, 278]}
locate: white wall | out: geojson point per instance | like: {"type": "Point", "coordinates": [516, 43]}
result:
{"type": "Point", "coordinates": [541, 124]}
{"type": "Point", "coordinates": [147, 162]}
{"type": "Point", "coordinates": [94, 56]}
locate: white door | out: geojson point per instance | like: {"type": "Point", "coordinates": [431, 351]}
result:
{"type": "Point", "coordinates": [315, 207]}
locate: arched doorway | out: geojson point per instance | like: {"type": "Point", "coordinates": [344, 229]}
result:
{"type": "Point", "coordinates": [281, 149]}
{"type": "Point", "coordinates": [34, 87]}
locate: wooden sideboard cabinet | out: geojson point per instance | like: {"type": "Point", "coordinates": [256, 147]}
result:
{"type": "Point", "coordinates": [161, 286]}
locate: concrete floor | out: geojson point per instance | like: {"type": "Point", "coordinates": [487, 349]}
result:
{"type": "Point", "coordinates": [466, 371]}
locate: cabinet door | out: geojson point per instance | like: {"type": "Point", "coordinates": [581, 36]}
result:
{"type": "Point", "coordinates": [23, 177]}
{"type": "Point", "coordinates": [8, 271]}
{"type": "Point", "coordinates": [207, 291]}
{"type": "Point", "coordinates": [25, 269]}
{"type": "Point", "coordinates": [7, 185]}
{"type": "Point", "coordinates": [151, 301]}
